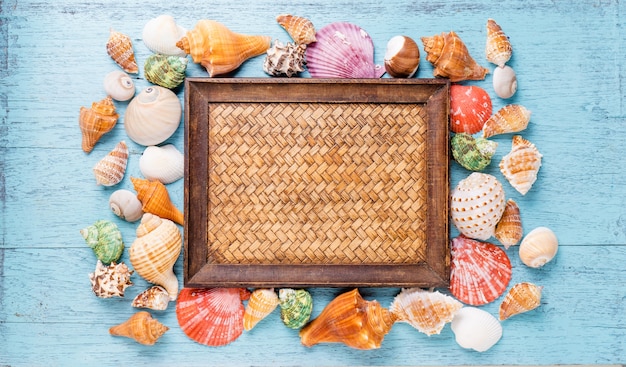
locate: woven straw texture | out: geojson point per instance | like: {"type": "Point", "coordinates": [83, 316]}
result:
{"type": "Point", "coordinates": [316, 183]}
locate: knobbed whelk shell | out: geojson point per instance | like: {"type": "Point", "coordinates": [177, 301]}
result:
{"type": "Point", "coordinates": [301, 30]}
{"type": "Point", "coordinates": [538, 247]}
{"type": "Point", "coordinates": [521, 166]}
{"type": "Point", "coordinates": [105, 239]}
{"type": "Point", "coordinates": [165, 163]}
{"type": "Point", "coordinates": [124, 204]}
{"type": "Point", "coordinates": [402, 57]}
{"type": "Point", "coordinates": [522, 297]}
{"type": "Point", "coordinates": [166, 71]}
{"type": "Point", "coordinates": [155, 251]}
{"type": "Point", "coordinates": [160, 35]}
{"type": "Point", "coordinates": [119, 85]}
{"type": "Point", "coordinates": [295, 307]}
{"type": "Point", "coordinates": [152, 116]}
{"type": "Point", "coordinates": [96, 121]}
{"type": "Point", "coordinates": [476, 329]}
{"type": "Point", "coordinates": [156, 200]}
{"type": "Point", "coordinates": [498, 49]}
{"type": "Point", "coordinates": [110, 281]}
{"type": "Point", "coordinates": [110, 170]}
{"type": "Point", "coordinates": [120, 48]}
{"type": "Point", "coordinates": [451, 59]}
{"type": "Point", "coordinates": [511, 118]}
{"type": "Point", "coordinates": [426, 311]}
{"type": "Point", "coordinates": [262, 302]}
{"type": "Point", "coordinates": [284, 60]}
{"type": "Point", "coordinates": [504, 81]}
{"type": "Point", "coordinates": [140, 327]}
{"type": "Point", "coordinates": [470, 107]}
{"type": "Point", "coordinates": [509, 229]}
{"type": "Point", "coordinates": [154, 298]}
{"type": "Point", "coordinates": [472, 153]}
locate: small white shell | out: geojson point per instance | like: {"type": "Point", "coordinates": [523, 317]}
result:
{"type": "Point", "coordinates": [476, 329]}
{"type": "Point", "coordinates": [152, 116]}
{"type": "Point", "coordinates": [161, 34]}
{"type": "Point", "coordinates": [124, 204]}
{"type": "Point", "coordinates": [538, 247]}
{"type": "Point", "coordinates": [119, 85]}
{"type": "Point", "coordinates": [504, 81]}
{"type": "Point", "coordinates": [165, 164]}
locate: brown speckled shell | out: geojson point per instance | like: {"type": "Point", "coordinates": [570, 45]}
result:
{"type": "Point", "coordinates": [120, 48]}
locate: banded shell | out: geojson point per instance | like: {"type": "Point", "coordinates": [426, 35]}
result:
{"type": "Point", "coordinates": [105, 239]}
{"type": "Point", "coordinates": [110, 170]}
{"type": "Point", "coordinates": [295, 307]}
{"type": "Point", "coordinates": [511, 118]}
{"type": "Point", "coordinates": [476, 329]}
{"type": "Point", "coordinates": [522, 297]}
{"type": "Point", "coordinates": [119, 85]}
{"type": "Point", "coordinates": [504, 81]}
{"type": "Point", "coordinates": [110, 281]}
{"type": "Point", "coordinates": [165, 163]}
{"type": "Point", "coordinates": [477, 204]}
{"type": "Point", "coordinates": [402, 57]}
{"type": "Point", "coordinates": [140, 327]}
{"type": "Point", "coordinates": [351, 320]}
{"type": "Point", "coordinates": [155, 298]}
{"type": "Point", "coordinates": [160, 35]}
{"type": "Point", "coordinates": [124, 204]}
{"type": "Point", "coordinates": [451, 59]}
{"type": "Point", "coordinates": [166, 71]}
{"type": "Point", "coordinates": [213, 316]}
{"type": "Point", "coordinates": [342, 50]}
{"type": "Point", "coordinates": [301, 30]}
{"type": "Point", "coordinates": [120, 48]}
{"type": "Point", "coordinates": [262, 302]}
{"type": "Point", "coordinates": [96, 121]}
{"type": "Point", "coordinates": [472, 153]}
{"type": "Point", "coordinates": [521, 166]}
{"type": "Point", "coordinates": [284, 59]}
{"type": "Point", "coordinates": [480, 271]}
{"type": "Point", "coordinates": [470, 107]}
{"type": "Point", "coordinates": [156, 200]}
{"type": "Point", "coordinates": [509, 229]}
{"type": "Point", "coordinates": [498, 49]}
{"type": "Point", "coordinates": [426, 311]}
{"type": "Point", "coordinates": [538, 247]}
{"type": "Point", "coordinates": [152, 116]}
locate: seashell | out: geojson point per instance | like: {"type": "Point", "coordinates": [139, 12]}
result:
{"type": "Point", "coordinates": [154, 298]}
{"type": "Point", "coordinates": [504, 81]}
{"type": "Point", "coordinates": [165, 164]}
{"type": "Point", "coordinates": [141, 327]}
{"type": "Point", "coordinates": [428, 312]}
{"type": "Point", "coordinates": [476, 329]}
{"type": "Point", "coordinates": [120, 48]}
{"type": "Point", "coordinates": [472, 153]}
{"type": "Point", "coordinates": [96, 121]}
{"type": "Point", "coordinates": [480, 271]}
{"type": "Point", "coordinates": [477, 204]}
{"type": "Point", "coordinates": [521, 165]}
{"type": "Point", "coordinates": [119, 85]}
{"type": "Point", "coordinates": [511, 118]}
{"type": "Point", "coordinates": [509, 229]}
{"type": "Point", "coordinates": [124, 204]}
{"type": "Point", "coordinates": [110, 281]}
{"type": "Point", "coordinates": [155, 251]}
{"type": "Point", "coordinates": [295, 307]}
{"type": "Point", "coordinates": [156, 200]}
{"type": "Point", "coordinates": [451, 59]}
{"type": "Point", "coordinates": [342, 50]}
{"type": "Point", "coordinates": [538, 247]}
{"type": "Point", "coordinates": [219, 49]}
{"type": "Point", "coordinates": [152, 116]}
{"type": "Point", "coordinates": [351, 320]}
{"type": "Point", "coordinates": [166, 71]}
{"type": "Point", "coordinates": [110, 170]}
{"type": "Point", "coordinates": [498, 49]}
{"type": "Point", "coordinates": [522, 297]}
{"type": "Point", "coordinates": [213, 316]}
{"type": "Point", "coordinates": [105, 239]}
{"type": "Point", "coordinates": [402, 57]}
{"type": "Point", "coordinates": [160, 35]}
{"type": "Point", "coordinates": [301, 30]}
{"type": "Point", "coordinates": [470, 107]}
{"type": "Point", "coordinates": [284, 60]}
{"type": "Point", "coordinates": [262, 302]}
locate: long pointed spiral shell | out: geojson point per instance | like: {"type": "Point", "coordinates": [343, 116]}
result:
{"type": "Point", "coordinates": [156, 200]}
{"type": "Point", "coordinates": [140, 327]}
{"type": "Point", "coordinates": [261, 303]}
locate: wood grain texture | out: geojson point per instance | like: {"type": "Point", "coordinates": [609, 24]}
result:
{"type": "Point", "coordinates": [569, 59]}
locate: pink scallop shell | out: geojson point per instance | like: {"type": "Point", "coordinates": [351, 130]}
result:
{"type": "Point", "coordinates": [480, 271]}
{"type": "Point", "coordinates": [470, 107]}
{"type": "Point", "coordinates": [342, 50]}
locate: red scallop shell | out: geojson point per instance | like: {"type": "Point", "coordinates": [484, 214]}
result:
{"type": "Point", "coordinates": [470, 107]}
{"type": "Point", "coordinates": [212, 316]}
{"type": "Point", "coordinates": [480, 271]}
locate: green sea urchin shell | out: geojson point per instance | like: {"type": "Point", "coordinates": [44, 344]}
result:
{"type": "Point", "coordinates": [105, 239]}
{"type": "Point", "coordinates": [166, 71]}
{"type": "Point", "coordinates": [471, 153]}
{"type": "Point", "coordinates": [295, 307]}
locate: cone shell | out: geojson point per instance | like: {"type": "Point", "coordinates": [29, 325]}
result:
{"type": "Point", "coordinates": [480, 271]}
{"type": "Point", "coordinates": [155, 251]}
{"type": "Point", "coordinates": [470, 107]}
{"type": "Point", "coordinates": [284, 59]}
{"type": "Point", "coordinates": [402, 57]}
{"type": "Point", "coordinates": [96, 121]}
{"type": "Point", "coordinates": [521, 166]}
{"type": "Point", "coordinates": [141, 327]}
{"type": "Point", "coordinates": [262, 302]}
{"type": "Point", "coordinates": [219, 49]}
{"type": "Point", "coordinates": [165, 163]}
{"type": "Point", "coordinates": [212, 317]}
{"type": "Point", "coordinates": [538, 247]}
{"type": "Point", "coordinates": [301, 30]}
{"type": "Point", "coordinates": [110, 281]}
{"type": "Point", "coordinates": [155, 298]}
{"type": "Point", "coordinates": [295, 307]}
{"type": "Point", "coordinates": [351, 320]}
{"type": "Point", "coordinates": [105, 239]}
{"type": "Point", "coordinates": [428, 312]}
{"type": "Point", "coordinates": [476, 329]}
{"type": "Point", "coordinates": [477, 204]}
{"type": "Point", "coordinates": [156, 200]}
{"type": "Point", "coordinates": [504, 81]}
{"type": "Point", "coordinates": [124, 204]}
{"type": "Point", "coordinates": [498, 49]}
{"type": "Point", "coordinates": [509, 229]}
{"type": "Point", "coordinates": [342, 50]}
{"type": "Point", "coordinates": [120, 48]}
{"type": "Point", "coordinates": [110, 170]}
{"type": "Point", "coordinates": [472, 153]}
{"type": "Point", "coordinates": [152, 116]}
{"type": "Point", "coordinates": [166, 71]}
{"type": "Point", "coordinates": [160, 35]}
{"type": "Point", "coordinates": [451, 59]}
{"type": "Point", "coordinates": [119, 85]}
{"type": "Point", "coordinates": [511, 118]}
{"type": "Point", "coordinates": [522, 297]}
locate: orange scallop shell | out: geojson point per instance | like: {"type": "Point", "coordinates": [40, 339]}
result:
{"type": "Point", "coordinates": [141, 327]}
{"type": "Point", "coordinates": [120, 48]}
{"type": "Point", "coordinates": [509, 229]}
{"type": "Point", "coordinates": [262, 302]}
{"type": "Point", "coordinates": [426, 311]}
{"type": "Point", "coordinates": [451, 59]}
{"type": "Point", "coordinates": [498, 49]}
{"type": "Point", "coordinates": [522, 297]}
{"type": "Point", "coordinates": [511, 118]}
{"type": "Point", "coordinates": [156, 200]}
{"type": "Point", "coordinates": [470, 107]}
{"type": "Point", "coordinates": [300, 29]}
{"type": "Point", "coordinates": [96, 121]}
{"type": "Point", "coordinates": [110, 170]}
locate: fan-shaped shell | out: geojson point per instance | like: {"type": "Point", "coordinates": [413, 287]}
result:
{"type": "Point", "coordinates": [342, 50]}
{"type": "Point", "coordinates": [212, 317]}
{"type": "Point", "coordinates": [480, 271]}
{"type": "Point", "coordinates": [284, 59]}
{"type": "Point", "coordinates": [152, 116]}
{"type": "Point", "coordinates": [521, 166]}
{"type": "Point", "coordinates": [141, 327]}
{"type": "Point", "coordinates": [472, 153]}
{"type": "Point", "coordinates": [166, 71]}
{"type": "Point", "coordinates": [498, 49]}
{"type": "Point", "coordinates": [262, 302]}
{"type": "Point", "coordinates": [426, 311]}
{"type": "Point", "coordinates": [538, 247]}
{"type": "Point", "coordinates": [504, 81]}
{"type": "Point", "coordinates": [120, 48]}
{"type": "Point", "coordinates": [470, 107]}
{"type": "Point", "coordinates": [160, 35]}
{"type": "Point", "coordinates": [156, 200]}
{"type": "Point", "coordinates": [165, 163]}
{"type": "Point", "coordinates": [124, 204]}
{"type": "Point", "coordinates": [451, 59]}
{"type": "Point", "coordinates": [509, 229]}
{"type": "Point", "coordinates": [522, 297]}
{"type": "Point", "coordinates": [296, 306]}
{"type": "Point", "coordinates": [476, 329]}
{"type": "Point", "coordinates": [301, 30]}
{"type": "Point", "coordinates": [110, 170]}
{"type": "Point", "coordinates": [477, 204]}
{"type": "Point", "coordinates": [96, 121]}
{"type": "Point", "coordinates": [511, 118]}
{"type": "Point", "coordinates": [105, 239]}
{"type": "Point", "coordinates": [154, 298]}
{"type": "Point", "coordinates": [402, 57]}
{"type": "Point", "coordinates": [110, 281]}
{"type": "Point", "coordinates": [119, 85]}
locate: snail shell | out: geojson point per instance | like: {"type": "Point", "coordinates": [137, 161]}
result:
{"type": "Point", "coordinates": [119, 85]}
{"type": "Point", "coordinates": [124, 204]}
{"type": "Point", "coordinates": [402, 57]}
{"type": "Point", "coordinates": [110, 170]}
{"type": "Point", "coordinates": [538, 247]}
{"type": "Point", "coordinates": [152, 116]}
{"type": "Point", "coordinates": [504, 81]}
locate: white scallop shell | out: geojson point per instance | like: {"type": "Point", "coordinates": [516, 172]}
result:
{"type": "Point", "coordinates": [152, 116]}
{"type": "Point", "coordinates": [165, 164]}
{"type": "Point", "coordinates": [126, 205]}
{"type": "Point", "coordinates": [504, 81]}
{"type": "Point", "coordinates": [476, 329]}
{"type": "Point", "coordinates": [538, 247]}
{"type": "Point", "coordinates": [119, 85]}
{"type": "Point", "coordinates": [161, 34]}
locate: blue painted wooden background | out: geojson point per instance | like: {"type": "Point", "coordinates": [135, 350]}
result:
{"type": "Point", "coordinates": [569, 57]}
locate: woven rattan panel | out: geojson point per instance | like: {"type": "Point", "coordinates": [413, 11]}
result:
{"type": "Point", "coordinates": [308, 183]}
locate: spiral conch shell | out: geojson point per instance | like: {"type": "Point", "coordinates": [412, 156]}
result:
{"type": "Point", "coordinates": [219, 49]}
{"type": "Point", "coordinates": [284, 59]}
{"type": "Point", "coordinates": [110, 170]}
{"type": "Point", "coordinates": [301, 30]}
{"type": "Point", "coordinates": [124, 204]}
{"type": "Point", "coordinates": [155, 251]}
{"type": "Point", "coordinates": [511, 118]}
{"type": "Point", "coordinates": [451, 59]}
{"type": "Point", "coordinates": [154, 298]}
{"type": "Point", "coordinates": [522, 297]}
{"type": "Point", "coordinates": [262, 302]}
{"type": "Point", "coordinates": [538, 247]}
{"type": "Point", "coordinates": [96, 121]}
{"type": "Point", "coordinates": [156, 200]}
{"type": "Point", "coordinates": [120, 48]}
{"type": "Point", "coordinates": [141, 327]}
{"type": "Point", "coordinates": [152, 116]}
{"type": "Point", "coordinates": [509, 229]}
{"type": "Point", "coordinates": [119, 85]}
{"type": "Point", "coordinates": [498, 49]}
{"type": "Point", "coordinates": [110, 281]}
{"type": "Point", "coordinates": [426, 311]}
{"type": "Point", "coordinates": [521, 165]}
{"type": "Point", "coordinates": [160, 35]}
{"type": "Point", "coordinates": [165, 163]}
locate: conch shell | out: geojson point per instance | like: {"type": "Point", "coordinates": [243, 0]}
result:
{"type": "Point", "coordinates": [105, 239]}
{"type": "Point", "coordinates": [120, 48]}
{"type": "Point", "coordinates": [498, 49]}
{"type": "Point", "coordinates": [141, 327]}
{"type": "Point", "coordinates": [284, 59]}
{"type": "Point", "coordinates": [124, 204]}
{"type": "Point", "coordinates": [110, 281]}
{"type": "Point", "coordinates": [154, 298]}
{"type": "Point", "coordinates": [166, 71]}
{"type": "Point", "coordinates": [521, 166]}
{"type": "Point", "coordinates": [96, 121]}
{"type": "Point", "coordinates": [219, 49]}
{"type": "Point", "coordinates": [156, 200]}
{"type": "Point", "coordinates": [426, 311]}
{"type": "Point", "coordinates": [162, 163]}
{"type": "Point", "coordinates": [511, 118]}
{"type": "Point", "coordinates": [262, 302]}
{"type": "Point", "coordinates": [509, 229]}
{"type": "Point", "coordinates": [522, 297]}
{"type": "Point", "coordinates": [152, 116]}
{"type": "Point", "coordinates": [296, 306]}
{"type": "Point", "coordinates": [402, 57]}
{"type": "Point", "coordinates": [472, 153]}
{"type": "Point", "coordinates": [110, 170]}
{"type": "Point", "coordinates": [155, 251]}
{"type": "Point", "coordinates": [119, 85]}
{"type": "Point", "coordinates": [160, 35]}
{"type": "Point", "coordinates": [351, 320]}
{"type": "Point", "coordinates": [451, 59]}
{"type": "Point", "coordinates": [301, 30]}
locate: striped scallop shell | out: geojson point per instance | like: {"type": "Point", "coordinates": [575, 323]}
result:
{"type": "Point", "coordinates": [120, 48]}
{"type": "Point", "coordinates": [426, 311]}
{"type": "Point", "coordinates": [509, 229]}
{"type": "Point", "coordinates": [165, 163]}
{"type": "Point", "coordinates": [498, 49]}
{"type": "Point", "coordinates": [476, 329]}
{"type": "Point", "coordinates": [511, 118]}
{"type": "Point", "coordinates": [262, 302]}
{"type": "Point", "coordinates": [470, 107]}
{"type": "Point", "coordinates": [301, 30]}
{"type": "Point", "coordinates": [110, 170]}
{"type": "Point", "coordinates": [154, 298]}
{"type": "Point", "coordinates": [521, 165]}
{"type": "Point", "coordinates": [522, 297]}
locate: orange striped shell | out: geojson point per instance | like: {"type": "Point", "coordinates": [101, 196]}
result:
{"type": "Point", "coordinates": [300, 29]}
{"type": "Point", "coordinates": [156, 200]}
{"type": "Point", "coordinates": [498, 49]}
{"type": "Point", "coordinates": [451, 59]}
{"type": "Point", "coordinates": [96, 121]}
{"type": "Point", "coordinates": [120, 48]}
{"type": "Point", "coordinates": [509, 229]}
{"type": "Point", "coordinates": [110, 170]}
{"type": "Point", "coordinates": [511, 118]}
{"type": "Point", "coordinates": [521, 165]}
{"type": "Point", "coordinates": [522, 297]}
{"type": "Point", "coordinates": [262, 302]}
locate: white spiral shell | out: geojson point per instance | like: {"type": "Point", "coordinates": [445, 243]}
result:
{"type": "Point", "coordinates": [119, 85]}
{"type": "Point", "coordinates": [152, 116]}
{"type": "Point", "coordinates": [160, 35]}
{"type": "Point", "coordinates": [165, 164]}
{"type": "Point", "coordinates": [538, 247]}
{"type": "Point", "coordinates": [504, 81]}
{"type": "Point", "coordinates": [124, 204]}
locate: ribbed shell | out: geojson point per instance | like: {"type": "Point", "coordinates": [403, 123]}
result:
{"type": "Point", "coordinates": [96, 121]}
{"type": "Point", "coordinates": [426, 311]}
{"type": "Point", "coordinates": [120, 48]}
{"type": "Point", "coordinates": [110, 281]}
{"type": "Point", "coordinates": [509, 229]}
{"type": "Point", "coordinates": [162, 163]}
{"type": "Point", "coordinates": [476, 329]}
{"type": "Point", "coordinates": [511, 118]}
{"type": "Point", "coordinates": [262, 302]}
{"type": "Point", "coordinates": [105, 239]}
{"type": "Point", "coordinates": [154, 298]}
{"type": "Point", "coordinates": [295, 307]}
{"type": "Point", "coordinates": [152, 116]}
{"type": "Point", "coordinates": [160, 35]}
{"type": "Point", "coordinates": [470, 107]}
{"type": "Point", "coordinates": [140, 327]}
{"type": "Point", "coordinates": [166, 71]}
{"type": "Point", "coordinates": [451, 59]}
{"type": "Point", "coordinates": [284, 59]}
{"type": "Point", "coordinates": [110, 170]}
{"type": "Point", "coordinates": [301, 30]}
{"type": "Point", "coordinates": [521, 166]}
{"type": "Point", "coordinates": [522, 297]}
{"type": "Point", "coordinates": [498, 49]}
{"type": "Point", "coordinates": [538, 247]}
{"type": "Point", "coordinates": [473, 154]}
{"type": "Point", "coordinates": [156, 200]}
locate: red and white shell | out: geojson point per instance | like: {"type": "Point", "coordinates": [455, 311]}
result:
{"type": "Point", "coordinates": [470, 107]}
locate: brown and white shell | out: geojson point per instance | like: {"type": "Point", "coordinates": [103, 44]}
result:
{"type": "Point", "coordinates": [120, 48]}
{"type": "Point", "coordinates": [110, 170]}
{"type": "Point", "coordinates": [300, 29]}
{"type": "Point", "coordinates": [522, 297]}
{"type": "Point", "coordinates": [426, 311]}
{"type": "Point", "coordinates": [110, 281]}
{"type": "Point", "coordinates": [509, 229]}
{"type": "Point", "coordinates": [498, 49]}
{"type": "Point", "coordinates": [402, 57]}
{"type": "Point", "coordinates": [284, 59]}
{"type": "Point", "coordinates": [511, 118]}
{"type": "Point", "coordinates": [521, 165]}
{"type": "Point", "coordinates": [155, 298]}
